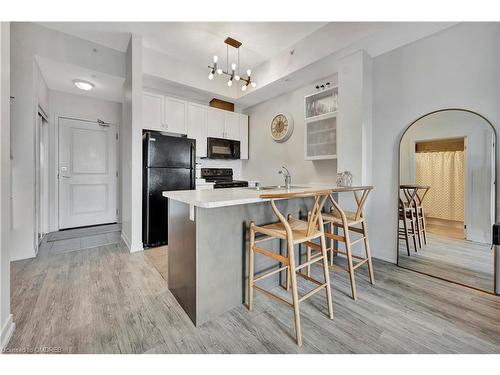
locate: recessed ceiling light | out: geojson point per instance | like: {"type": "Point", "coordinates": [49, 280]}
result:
{"type": "Point", "coordinates": [83, 85]}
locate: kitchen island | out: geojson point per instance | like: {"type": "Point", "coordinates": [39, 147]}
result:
{"type": "Point", "coordinates": [208, 242]}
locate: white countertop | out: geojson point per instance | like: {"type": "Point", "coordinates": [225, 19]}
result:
{"type": "Point", "coordinates": [234, 196]}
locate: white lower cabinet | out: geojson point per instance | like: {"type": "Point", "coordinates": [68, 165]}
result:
{"type": "Point", "coordinates": [197, 127]}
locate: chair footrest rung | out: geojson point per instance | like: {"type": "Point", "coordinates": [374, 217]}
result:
{"type": "Point", "coordinates": [312, 292]}
{"type": "Point", "coordinates": [313, 246]}
{"type": "Point", "coordinates": [271, 254]}
{"type": "Point", "coordinates": [309, 278]}
{"type": "Point", "coordinates": [263, 238]}
{"type": "Point", "coordinates": [335, 251]}
{"type": "Point", "coordinates": [357, 240]}
{"type": "Point", "coordinates": [272, 295]}
{"type": "Point", "coordinates": [269, 273]}
{"type": "Point", "coordinates": [360, 263]}
{"type": "Point", "coordinates": [313, 260]}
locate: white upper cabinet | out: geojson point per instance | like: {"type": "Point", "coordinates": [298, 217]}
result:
{"type": "Point", "coordinates": [152, 111]}
{"type": "Point", "coordinates": [172, 115]}
{"type": "Point", "coordinates": [197, 127]}
{"type": "Point", "coordinates": [215, 123]}
{"type": "Point", "coordinates": [175, 115]}
{"type": "Point", "coordinates": [232, 126]}
{"type": "Point", "coordinates": [243, 124]}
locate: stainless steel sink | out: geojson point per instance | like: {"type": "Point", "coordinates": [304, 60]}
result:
{"type": "Point", "coordinates": [276, 187]}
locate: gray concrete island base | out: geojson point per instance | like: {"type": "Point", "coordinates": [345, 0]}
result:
{"type": "Point", "coordinates": [207, 257]}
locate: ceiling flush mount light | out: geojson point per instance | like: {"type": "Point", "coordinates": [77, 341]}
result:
{"type": "Point", "coordinates": [83, 85]}
{"type": "Point", "coordinates": [234, 72]}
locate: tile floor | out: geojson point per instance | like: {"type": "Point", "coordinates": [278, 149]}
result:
{"type": "Point", "coordinates": [84, 241]}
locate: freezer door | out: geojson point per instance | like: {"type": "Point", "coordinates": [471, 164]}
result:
{"type": "Point", "coordinates": [155, 218]}
{"type": "Point", "coordinates": [165, 151]}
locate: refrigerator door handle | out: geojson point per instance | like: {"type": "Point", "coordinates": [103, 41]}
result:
{"type": "Point", "coordinates": [193, 166]}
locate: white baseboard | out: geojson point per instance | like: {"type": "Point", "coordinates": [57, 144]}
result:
{"type": "Point", "coordinates": [7, 331]}
{"type": "Point", "coordinates": [132, 248]}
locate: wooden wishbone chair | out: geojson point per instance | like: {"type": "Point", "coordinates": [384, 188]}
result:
{"type": "Point", "coordinates": [348, 222]}
{"type": "Point", "coordinates": [294, 232]}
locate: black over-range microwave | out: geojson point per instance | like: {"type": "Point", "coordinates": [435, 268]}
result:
{"type": "Point", "coordinates": [218, 148]}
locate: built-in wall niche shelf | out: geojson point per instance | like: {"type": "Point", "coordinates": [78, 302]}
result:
{"type": "Point", "coordinates": [321, 125]}
{"type": "Point", "coordinates": [321, 103]}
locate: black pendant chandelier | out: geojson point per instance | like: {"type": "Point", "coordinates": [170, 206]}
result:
{"type": "Point", "coordinates": [234, 73]}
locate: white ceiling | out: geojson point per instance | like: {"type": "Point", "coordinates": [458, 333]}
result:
{"type": "Point", "coordinates": [196, 42]}
{"type": "Point", "coordinates": [59, 76]}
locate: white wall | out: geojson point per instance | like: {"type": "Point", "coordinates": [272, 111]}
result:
{"type": "Point", "coordinates": [6, 324]}
{"type": "Point", "coordinates": [267, 156]}
{"type": "Point", "coordinates": [456, 68]}
{"type": "Point", "coordinates": [455, 124]}
{"type": "Point", "coordinates": [63, 104]}
{"type": "Point", "coordinates": [131, 148]}
{"type": "Point", "coordinates": [27, 41]}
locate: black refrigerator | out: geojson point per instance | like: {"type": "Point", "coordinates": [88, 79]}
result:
{"type": "Point", "coordinates": [169, 164]}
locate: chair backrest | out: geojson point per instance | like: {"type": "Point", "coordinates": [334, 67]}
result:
{"type": "Point", "coordinates": [360, 195]}
{"type": "Point", "coordinates": [314, 219]}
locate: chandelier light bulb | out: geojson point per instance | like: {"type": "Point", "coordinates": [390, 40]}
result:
{"type": "Point", "coordinates": [253, 84]}
{"type": "Point", "coordinates": [244, 88]}
{"type": "Point", "coordinates": [230, 83]}
{"type": "Point", "coordinates": [233, 66]}
{"type": "Point", "coordinates": [219, 71]}
{"type": "Point", "coordinates": [211, 76]}
{"type": "Point", "coordinates": [216, 58]}
{"type": "Point", "coordinates": [237, 78]}
{"type": "Point", "coordinates": [249, 72]}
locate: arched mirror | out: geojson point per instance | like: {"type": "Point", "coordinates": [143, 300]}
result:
{"type": "Point", "coordinates": [446, 201]}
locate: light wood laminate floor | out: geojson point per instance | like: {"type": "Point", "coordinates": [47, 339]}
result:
{"type": "Point", "coordinates": [106, 300]}
{"type": "Point", "coordinates": [466, 262]}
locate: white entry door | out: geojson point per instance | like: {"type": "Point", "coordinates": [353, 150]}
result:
{"type": "Point", "coordinates": [87, 173]}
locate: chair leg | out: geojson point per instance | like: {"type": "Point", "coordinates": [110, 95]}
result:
{"type": "Point", "coordinates": [349, 261]}
{"type": "Point", "coordinates": [327, 277]}
{"type": "Point", "coordinates": [405, 226]}
{"type": "Point", "coordinates": [331, 245]}
{"type": "Point", "coordinates": [413, 232]}
{"type": "Point", "coordinates": [367, 252]}
{"type": "Point", "coordinates": [295, 294]}
{"type": "Point", "coordinates": [251, 266]}
{"type": "Point", "coordinates": [417, 220]}
{"type": "Point", "coordinates": [308, 268]}
{"type": "Point", "coordinates": [424, 225]}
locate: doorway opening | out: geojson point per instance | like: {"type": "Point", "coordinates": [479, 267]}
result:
{"type": "Point", "coordinates": [441, 163]}
{"type": "Point", "coordinates": [41, 178]}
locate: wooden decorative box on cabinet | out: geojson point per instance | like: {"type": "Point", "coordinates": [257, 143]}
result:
{"type": "Point", "coordinates": [320, 112]}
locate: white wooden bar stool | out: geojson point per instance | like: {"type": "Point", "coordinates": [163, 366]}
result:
{"type": "Point", "coordinates": [350, 222]}
{"type": "Point", "coordinates": [294, 232]}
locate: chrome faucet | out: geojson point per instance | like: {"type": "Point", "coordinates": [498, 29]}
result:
{"type": "Point", "coordinates": [288, 177]}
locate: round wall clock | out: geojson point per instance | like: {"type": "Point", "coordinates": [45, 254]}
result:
{"type": "Point", "coordinates": [281, 127]}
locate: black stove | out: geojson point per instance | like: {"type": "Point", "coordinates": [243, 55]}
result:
{"type": "Point", "coordinates": [223, 178]}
